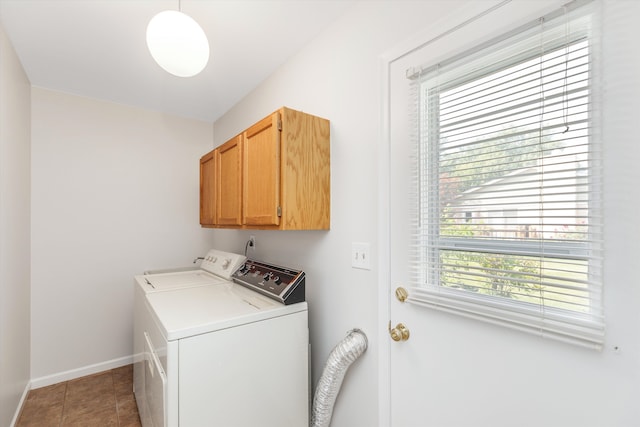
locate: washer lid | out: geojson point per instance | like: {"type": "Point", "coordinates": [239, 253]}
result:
{"type": "Point", "coordinates": [170, 281]}
{"type": "Point", "coordinates": [187, 312]}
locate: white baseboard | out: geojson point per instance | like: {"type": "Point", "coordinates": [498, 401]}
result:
{"type": "Point", "coordinates": [21, 404]}
{"type": "Point", "coordinates": [80, 372]}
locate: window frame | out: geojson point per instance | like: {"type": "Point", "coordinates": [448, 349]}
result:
{"type": "Point", "coordinates": [585, 329]}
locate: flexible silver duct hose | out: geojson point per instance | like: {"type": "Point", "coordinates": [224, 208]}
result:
{"type": "Point", "coordinates": [341, 357]}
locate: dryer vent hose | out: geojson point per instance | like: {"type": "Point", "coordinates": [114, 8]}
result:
{"type": "Point", "coordinates": [342, 356]}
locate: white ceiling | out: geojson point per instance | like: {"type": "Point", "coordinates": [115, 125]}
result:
{"type": "Point", "coordinates": [97, 48]}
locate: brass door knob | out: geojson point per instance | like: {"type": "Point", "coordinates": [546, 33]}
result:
{"type": "Point", "coordinates": [399, 333]}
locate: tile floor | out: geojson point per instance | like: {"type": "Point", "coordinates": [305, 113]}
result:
{"type": "Point", "coordinates": [103, 399]}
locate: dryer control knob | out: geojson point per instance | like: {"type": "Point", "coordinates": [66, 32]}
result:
{"type": "Point", "coordinates": [226, 262]}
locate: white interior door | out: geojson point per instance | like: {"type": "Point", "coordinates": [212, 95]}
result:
{"type": "Point", "coordinates": [431, 380]}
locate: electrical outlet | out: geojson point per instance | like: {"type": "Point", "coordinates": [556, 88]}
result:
{"type": "Point", "coordinates": [252, 242]}
{"type": "Point", "coordinates": [361, 255]}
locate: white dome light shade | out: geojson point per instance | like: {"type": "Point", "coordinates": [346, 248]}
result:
{"type": "Point", "coordinates": [177, 43]}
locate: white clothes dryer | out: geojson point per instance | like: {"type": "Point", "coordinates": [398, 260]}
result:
{"type": "Point", "coordinates": [214, 348]}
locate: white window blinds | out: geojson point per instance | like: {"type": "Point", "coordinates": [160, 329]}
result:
{"type": "Point", "coordinates": [507, 224]}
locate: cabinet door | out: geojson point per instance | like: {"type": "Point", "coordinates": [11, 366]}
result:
{"type": "Point", "coordinates": [261, 174]}
{"type": "Point", "coordinates": [207, 190]}
{"type": "Point", "coordinates": [229, 182]}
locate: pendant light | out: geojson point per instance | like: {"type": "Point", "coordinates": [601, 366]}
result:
{"type": "Point", "coordinates": [177, 43]}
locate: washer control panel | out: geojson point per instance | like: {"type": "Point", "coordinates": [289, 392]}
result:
{"type": "Point", "coordinates": [221, 263]}
{"type": "Point", "coordinates": [280, 283]}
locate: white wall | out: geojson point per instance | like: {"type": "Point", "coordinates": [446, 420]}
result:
{"type": "Point", "coordinates": [14, 231]}
{"type": "Point", "coordinates": [337, 77]}
{"type": "Point", "coordinates": [114, 192]}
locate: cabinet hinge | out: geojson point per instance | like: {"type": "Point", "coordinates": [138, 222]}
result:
{"type": "Point", "coordinates": [279, 124]}
{"type": "Point", "coordinates": [279, 211]}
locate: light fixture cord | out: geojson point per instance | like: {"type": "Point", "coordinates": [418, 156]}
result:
{"type": "Point", "coordinates": [565, 93]}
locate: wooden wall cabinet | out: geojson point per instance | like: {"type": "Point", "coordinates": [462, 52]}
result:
{"type": "Point", "coordinates": [207, 187]}
{"type": "Point", "coordinates": [229, 182]}
{"type": "Point", "coordinates": [274, 175]}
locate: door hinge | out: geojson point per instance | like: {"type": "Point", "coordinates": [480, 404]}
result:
{"type": "Point", "coordinates": [279, 211]}
{"type": "Point", "coordinates": [279, 124]}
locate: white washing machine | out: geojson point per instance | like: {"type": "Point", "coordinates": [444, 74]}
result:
{"type": "Point", "coordinates": [223, 345]}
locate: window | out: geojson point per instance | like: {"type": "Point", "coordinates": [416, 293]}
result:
{"type": "Point", "coordinates": [508, 132]}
